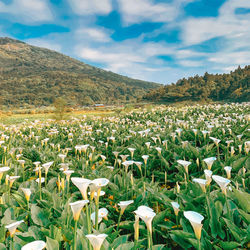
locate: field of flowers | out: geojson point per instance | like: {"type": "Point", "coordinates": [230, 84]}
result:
{"type": "Point", "coordinates": [166, 178]}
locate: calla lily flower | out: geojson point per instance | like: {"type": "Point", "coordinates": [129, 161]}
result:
{"type": "Point", "coordinates": [195, 219]}
{"type": "Point", "coordinates": [185, 164]}
{"type": "Point", "coordinates": [37, 163]}
{"type": "Point", "coordinates": [42, 180]}
{"type": "Point", "coordinates": [208, 176]}
{"type": "Point", "coordinates": [95, 194]}
{"type": "Point", "coordinates": [27, 193]}
{"type": "Point", "coordinates": [215, 140]}
{"type": "Point", "coordinates": [209, 161]}
{"type": "Point", "coordinates": [176, 207]}
{"type": "Point", "coordinates": [202, 183]}
{"type": "Point", "coordinates": [228, 171]}
{"type": "Point", "coordinates": [76, 208]}
{"type": "Point", "coordinates": [47, 165]}
{"type": "Point", "coordinates": [68, 173]}
{"type": "Point", "coordinates": [100, 182]}
{"type": "Point", "coordinates": [158, 149]}
{"type": "Point", "coordinates": [222, 182]}
{"type": "Point", "coordinates": [64, 166]}
{"type": "Point", "coordinates": [82, 184]}
{"type": "Point", "coordinates": [62, 157]}
{"type": "Point", "coordinates": [13, 226]}
{"type": "Point", "coordinates": [102, 213]}
{"type": "Point", "coordinates": [127, 164]}
{"type": "Point", "coordinates": [12, 179]}
{"type": "Point", "coordinates": [103, 157]}
{"type": "Point", "coordinates": [123, 205]}
{"type": "Point", "coordinates": [131, 150]}
{"type": "Point", "coordinates": [145, 158]}
{"type": "Point", "coordinates": [147, 215]}
{"type": "Point", "coordinates": [2, 170]}
{"type": "Point", "coordinates": [35, 245]}
{"type": "Point", "coordinates": [96, 240]}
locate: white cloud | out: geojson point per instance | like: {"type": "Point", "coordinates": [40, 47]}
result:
{"type": "Point", "coordinates": [86, 7]}
{"type": "Point", "coordinates": [28, 11]}
{"type": "Point", "coordinates": [230, 68]}
{"type": "Point", "coordinates": [94, 34]}
{"type": "Point", "coordinates": [99, 55]}
{"type": "Point", "coordinates": [44, 43]}
{"type": "Point", "coordinates": [237, 58]}
{"type": "Point", "coordinates": [186, 53]}
{"type": "Point", "coordinates": [227, 24]}
{"type": "Point", "coordinates": [135, 11]}
{"type": "Point", "coordinates": [190, 63]}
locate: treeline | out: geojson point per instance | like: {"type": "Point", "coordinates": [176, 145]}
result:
{"type": "Point", "coordinates": [234, 86]}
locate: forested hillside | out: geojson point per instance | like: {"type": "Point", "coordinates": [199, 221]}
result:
{"type": "Point", "coordinates": [31, 75]}
{"type": "Point", "coordinates": [220, 87]}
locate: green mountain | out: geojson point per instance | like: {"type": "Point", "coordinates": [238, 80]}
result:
{"type": "Point", "coordinates": [234, 86]}
{"type": "Point", "coordinates": [31, 75]}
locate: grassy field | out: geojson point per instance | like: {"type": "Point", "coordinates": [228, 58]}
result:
{"type": "Point", "coordinates": [18, 118]}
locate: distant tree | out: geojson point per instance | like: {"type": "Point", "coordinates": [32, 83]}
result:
{"type": "Point", "coordinates": [59, 108]}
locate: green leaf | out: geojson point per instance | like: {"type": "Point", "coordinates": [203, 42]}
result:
{"type": "Point", "coordinates": [215, 224]}
{"type": "Point", "coordinates": [180, 238]}
{"type": "Point", "coordinates": [125, 246]}
{"type": "Point", "coordinates": [236, 231]}
{"type": "Point", "coordinates": [243, 199]}
{"type": "Point", "coordinates": [245, 216]}
{"type": "Point", "coordinates": [38, 216]}
{"type": "Point", "coordinates": [120, 240]}
{"type": "Point", "coordinates": [159, 217]}
{"type": "Point", "coordinates": [157, 247]}
{"type": "Point", "coordinates": [236, 165]}
{"type": "Point", "coordinates": [229, 245]}
{"type": "Point", "coordinates": [2, 234]}
{"type": "Point", "coordinates": [52, 244]}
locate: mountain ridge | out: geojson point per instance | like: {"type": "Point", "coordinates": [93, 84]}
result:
{"type": "Point", "coordinates": [30, 75]}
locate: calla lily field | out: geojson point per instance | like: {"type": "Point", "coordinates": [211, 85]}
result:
{"type": "Point", "coordinates": [160, 178]}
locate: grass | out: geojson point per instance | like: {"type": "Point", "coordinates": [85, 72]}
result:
{"type": "Point", "coordinates": [19, 118]}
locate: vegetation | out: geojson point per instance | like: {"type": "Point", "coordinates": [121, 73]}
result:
{"type": "Point", "coordinates": [156, 178]}
{"type": "Point", "coordinates": [220, 87]}
{"type": "Point", "coordinates": [36, 76]}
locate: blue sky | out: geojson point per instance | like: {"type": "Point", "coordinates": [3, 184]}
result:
{"type": "Point", "coordinates": [154, 40]}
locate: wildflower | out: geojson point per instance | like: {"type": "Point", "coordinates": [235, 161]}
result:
{"type": "Point", "coordinates": [222, 182]}
{"type": "Point", "coordinates": [96, 240]}
{"type": "Point", "coordinates": [13, 226]}
{"type": "Point", "coordinates": [195, 219]}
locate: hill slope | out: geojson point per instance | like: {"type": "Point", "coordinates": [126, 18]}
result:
{"type": "Point", "coordinates": [220, 87]}
{"type": "Point", "coordinates": [36, 76]}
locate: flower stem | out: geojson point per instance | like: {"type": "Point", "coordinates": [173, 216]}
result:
{"type": "Point", "coordinates": [228, 209]}
{"type": "Point", "coordinates": [75, 230]}
{"type": "Point", "coordinates": [96, 212]}
{"type": "Point", "coordinates": [119, 220]}
{"type": "Point", "coordinates": [199, 244]}
{"type": "Point", "coordinates": [88, 224]}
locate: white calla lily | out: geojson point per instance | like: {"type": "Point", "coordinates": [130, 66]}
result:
{"type": "Point", "coordinates": [222, 182]}
{"type": "Point", "coordinates": [76, 208]}
{"type": "Point", "coordinates": [34, 245]}
{"type": "Point", "coordinates": [13, 226]}
{"type": "Point", "coordinates": [82, 184]}
{"type": "Point", "coordinates": [96, 240]}
{"type": "Point", "coordinates": [195, 220]}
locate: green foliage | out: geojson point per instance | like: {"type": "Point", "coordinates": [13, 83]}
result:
{"type": "Point", "coordinates": [59, 108]}
{"type": "Point", "coordinates": [220, 87]}
{"type": "Point", "coordinates": [178, 132]}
